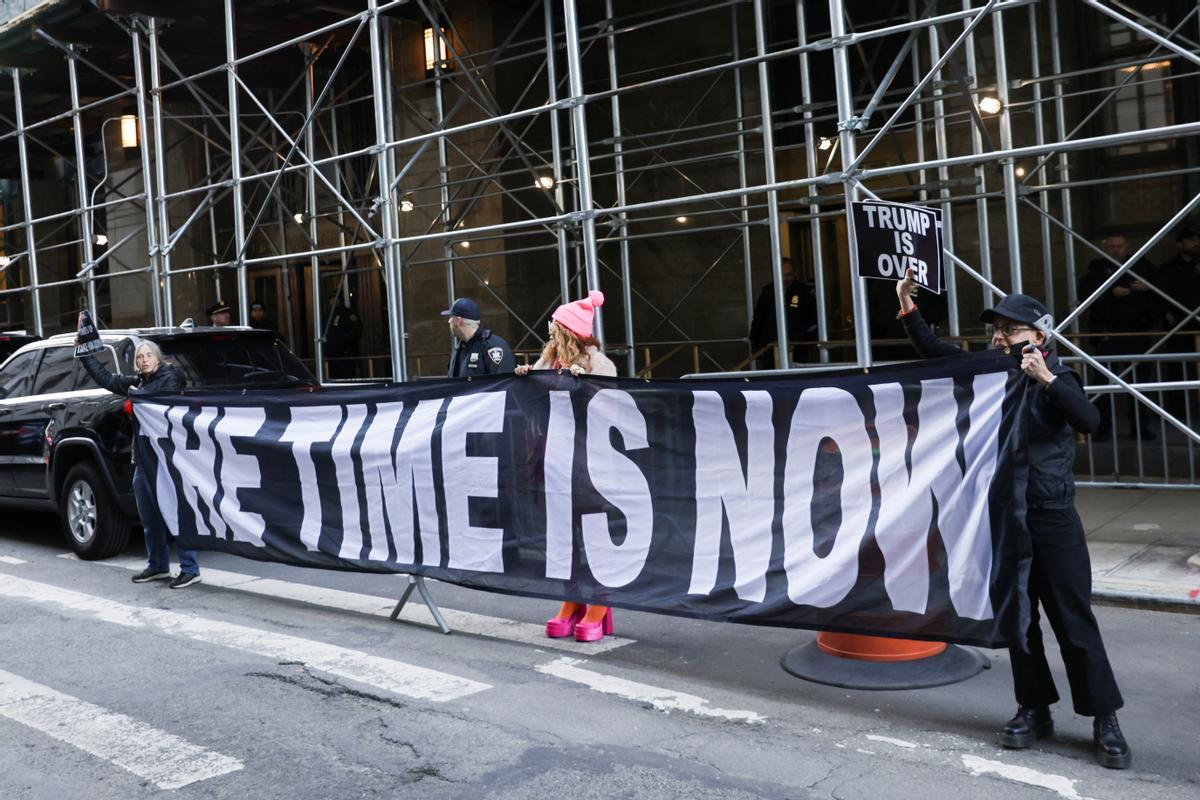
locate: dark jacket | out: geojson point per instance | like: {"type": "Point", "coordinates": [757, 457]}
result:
{"type": "Point", "coordinates": [485, 354]}
{"type": "Point", "coordinates": [1136, 312]}
{"type": "Point", "coordinates": [167, 379]}
{"type": "Point", "coordinates": [800, 316]}
{"type": "Point", "coordinates": [1055, 412]}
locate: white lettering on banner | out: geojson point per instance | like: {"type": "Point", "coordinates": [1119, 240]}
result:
{"type": "Point", "coordinates": [239, 472]}
{"type": "Point", "coordinates": [153, 425]}
{"type": "Point", "coordinates": [909, 220]}
{"type": "Point", "coordinates": [970, 560]}
{"type": "Point", "coordinates": [311, 425]}
{"type": "Point", "coordinates": [620, 482]}
{"type": "Point", "coordinates": [559, 472]}
{"type": "Point", "coordinates": [414, 456]}
{"type": "Point", "coordinates": [825, 412]}
{"type": "Point", "coordinates": [195, 473]}
{"type": "Point", "coordinates": [343, 464]}
{"type": "Point", "coordinates": [463, 477]}
{"type": "Point", "coordinates": [723, 490]}
{"type": "Point", "coordinates": [389, 490]}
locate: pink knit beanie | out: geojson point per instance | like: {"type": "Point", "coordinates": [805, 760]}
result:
{"type": "Point", "coordinates": [577, 316]}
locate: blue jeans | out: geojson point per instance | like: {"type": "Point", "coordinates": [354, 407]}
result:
{"type": "Point", "coordinates": [155, 529]}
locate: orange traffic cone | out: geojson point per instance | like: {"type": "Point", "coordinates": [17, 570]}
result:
{"type": "Point", "coordinates": [856, 661]}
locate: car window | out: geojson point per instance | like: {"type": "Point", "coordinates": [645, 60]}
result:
{"type": "Point", "coordinates": [57, 371]}
{"type": "Point", "coordinates": [16, 379]}
{"type": "Point", "coordinates": [81, 380]}
{"type": "Point", "coordinates": [232, 360]}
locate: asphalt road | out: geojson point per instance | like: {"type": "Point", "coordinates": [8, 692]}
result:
{"type": "Point", "coordinates": [275, 682]}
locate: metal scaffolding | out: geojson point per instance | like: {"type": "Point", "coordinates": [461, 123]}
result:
{"type": "Point", "coordinates": [365, 161]}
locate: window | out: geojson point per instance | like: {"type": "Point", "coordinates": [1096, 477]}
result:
{"type": "Point", "coordinates": [16, 379]}
{"type": "Point", "coordinates": [56, 374]}
{"type": "Point", "coordinates": [82, 380]}
{"type": "Point", "coordinates": [1143, 101]}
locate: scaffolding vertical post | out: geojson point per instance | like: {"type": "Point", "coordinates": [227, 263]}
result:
{"type": "Point", "coordinates": [1035, 73]}
{"type": "Point", "coordinates": [235, 152]}
{"type": "Point", "coordinates": [583, 168]}
{"type": "Point", "coordinates": [160, 171]}
{"type": "Point", "coordinates": [439, 99]}
{"type": "Point", "coordinates": [285, 269]}
{"type": "Point", "coordinates": [941, 145]}
{"type": "Point", "coordinates": [85, 214]}
{"type": "Point", "coordinates": [743, 199]}
{"type": "Point", "coordinates": [810, 158]}
{"type": "Point", "coordinates": [560, 231]}
{"type": "Point", "coordinates": [1064, 162]}
{"type": "Point", "coordinates": [619, 174]}
{"type": "Point", "coordinates": [768, 137]}
{"type": "Point", "coordinates": [1008, 168]}
{"type": "Point", "coordinates": [212, 214]}
{"type": "Point", "coordinates": [27, 205]}
{"type": "Point", "coordinates": [383, 176]}
{"type": "Point", "coordinates": [310, 208]}
{"type": "Point", "coordinates": [981, 209]}
{"type": "Point", "coordinates": [846, 131]}
{"type": "Point", "coordinates": [152, 243]}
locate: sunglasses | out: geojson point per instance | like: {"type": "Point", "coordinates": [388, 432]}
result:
{"type": "Point", "coordinates": [1007, 330]}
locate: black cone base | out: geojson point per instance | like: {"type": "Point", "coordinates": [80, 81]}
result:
{"type": "Point", "coordinates": [952, 665]}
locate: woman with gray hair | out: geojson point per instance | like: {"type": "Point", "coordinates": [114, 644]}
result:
{"type": "Point", "coordinates": [154, 376]}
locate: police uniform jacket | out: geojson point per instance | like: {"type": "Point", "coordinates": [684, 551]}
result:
{"type": "Point", "coordinates": [1055, 412]}
{"type": "Point", "coordinates": [485, 354]}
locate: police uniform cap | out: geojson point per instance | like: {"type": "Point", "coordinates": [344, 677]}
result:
{"type": "Point", "coordinates": [463, 307]}
{"type": "Point", "coordinates": [219, 307]}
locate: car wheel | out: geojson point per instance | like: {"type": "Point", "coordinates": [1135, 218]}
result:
{"type": "Point", "coordinates": [91, 521]}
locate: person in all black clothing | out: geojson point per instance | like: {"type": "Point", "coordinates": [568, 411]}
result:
{"type": "Point", "coordinates": [1060, 575]}
{"type": "Point", "coordinates": [1129, 306]}
{"type": "Point", "coordinates": [800, 307]}
{"type": "Point", "coordinates": [154, 376]}
{"type": "Point", "coordinates": [477, 351]}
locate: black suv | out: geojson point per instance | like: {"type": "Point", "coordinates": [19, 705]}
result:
{"type": "Point", "coordinates": [65, 442]}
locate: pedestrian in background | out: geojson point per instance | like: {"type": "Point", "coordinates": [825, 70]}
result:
{"type": "Point", "coordinates": [572, 346]}
{"type": "Point", "coordinates": [219, 314]}
{"type": "Point", "coordinates": [1060, 573]}
{"type": "Point", "coordinates": [154, 376]}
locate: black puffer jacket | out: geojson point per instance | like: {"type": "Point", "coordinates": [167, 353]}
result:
{"type": "Point", "coordinates": [165, 380]}
{"type": "Point", "coordinates": [1055, 413]}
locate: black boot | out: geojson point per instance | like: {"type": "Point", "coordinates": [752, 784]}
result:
{"type": "Point", "coordinates": [1030, 723]}
{"type": "Point", "coordinates": [1111, 749]}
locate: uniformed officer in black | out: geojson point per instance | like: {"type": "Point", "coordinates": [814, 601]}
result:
{"type": "Point", "coordinates": [477, 351]}
{"type": "Point", "coordinates": [1060, 574]}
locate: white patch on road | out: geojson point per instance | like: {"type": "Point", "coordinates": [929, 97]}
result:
{"type": "Point", "coordinates": [1147, 526]}
{"type": "Point", "coordinates": [11, 560]}
{"type": "Point", "coordinates": [666, 700]}
{"type": "Point", "coordinates": [1062, 786]}
{"type": "Point", "coordinates": [415, 610]}
{"type": "Point", "coordinates": [890, 740]}
{"type": "Point", "coordinates": [154, 755]}
{"type": "Point", "coordinates": [387, 674]}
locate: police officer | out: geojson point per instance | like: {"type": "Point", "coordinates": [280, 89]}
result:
{"type": "Point", "coordinates": [219, 314]}
{"type": "Point", "coordinates": [1060, 574]}
{"type": "Point", "coordinates": [477, 351]}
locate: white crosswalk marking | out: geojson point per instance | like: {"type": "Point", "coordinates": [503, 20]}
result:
{"type": "Point", "coordinates": [164, 759]}
{"type": "Point", "coordinates": [11, 560]}
{"type": "Point", "coordinates": [387, 674]}
{"type": "Point", "coordinates": [415, 611]}
{"type": "Point", "coordinates": [666, 700]}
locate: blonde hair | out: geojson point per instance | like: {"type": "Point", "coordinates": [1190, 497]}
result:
{"type": "Point", "coordinates": [567, 348]}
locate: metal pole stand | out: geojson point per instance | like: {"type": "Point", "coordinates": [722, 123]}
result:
{"type": "Point", "coordinates": [418, 582]}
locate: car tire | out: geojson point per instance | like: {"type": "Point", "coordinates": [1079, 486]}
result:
{"type": "Point", "coordinates": [91, 520]}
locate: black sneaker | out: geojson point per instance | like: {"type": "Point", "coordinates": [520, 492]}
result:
{"type": "Point", "coordinates": [184, 579]}
{"type": "Point", "coordinates": [151, 574]}
{"type": "Point", "coordinates": [1029, 725]}
{"type": "Point", "coordinates": [1111, 749]}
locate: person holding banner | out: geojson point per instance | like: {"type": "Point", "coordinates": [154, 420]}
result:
{"type": "Point", "coordinates": [154, 376]}
{"type": "Point", "coordinates": [572, 346]}
{"type": "Point", "coordinates": [1060, 573]}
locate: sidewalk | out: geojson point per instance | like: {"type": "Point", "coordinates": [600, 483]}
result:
{"type": "Point", "coordinates": [1140, 542]}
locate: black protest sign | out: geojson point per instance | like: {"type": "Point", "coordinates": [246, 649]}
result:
{"type": "Point", "coordinates": [88, 338]}
{"type": "Point", "coordinates": [892, 237]}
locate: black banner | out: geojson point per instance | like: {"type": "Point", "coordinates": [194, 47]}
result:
{"type": "Point", "coordinates": [888, 501]}
{"type": "Point", "coordinates": [891, 237]}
